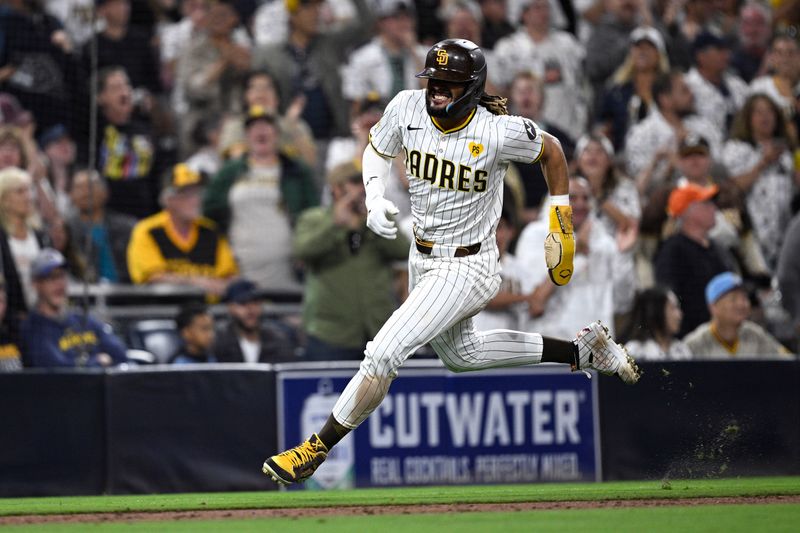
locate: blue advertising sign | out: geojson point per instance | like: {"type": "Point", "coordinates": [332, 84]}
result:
{"type": "Point", "coordinates": [439, 428]}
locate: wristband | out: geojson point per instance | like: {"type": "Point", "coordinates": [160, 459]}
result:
{"type": "Point", "coordinates": [560, 199]}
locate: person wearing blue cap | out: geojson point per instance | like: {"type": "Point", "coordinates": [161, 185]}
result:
{"type": "Point", "coordinates": [54, 336]}
{"type": "Point", "coordinates": [729, 334]}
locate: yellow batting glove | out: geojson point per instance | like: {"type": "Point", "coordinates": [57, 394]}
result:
{"type": "Point", "coordinates": [559, 246]}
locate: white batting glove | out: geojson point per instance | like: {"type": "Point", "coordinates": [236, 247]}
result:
{"type": "Point", "coordinates": [380, 217]}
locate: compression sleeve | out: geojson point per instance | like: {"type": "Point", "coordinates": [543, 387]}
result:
{"type": "Point", "coordinates": [375, 172]}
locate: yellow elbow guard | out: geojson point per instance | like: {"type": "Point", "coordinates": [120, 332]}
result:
{"type": "Point", "coordinates": [559, 246]}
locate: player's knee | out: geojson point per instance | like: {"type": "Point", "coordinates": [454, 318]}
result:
{"type": "Point", "coordinates": [455, 366]}
{"type": "Point", "coordinates": [378, 363]}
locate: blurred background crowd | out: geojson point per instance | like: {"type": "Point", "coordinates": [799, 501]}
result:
{"type": "Point", "coordinates": [202, 157]}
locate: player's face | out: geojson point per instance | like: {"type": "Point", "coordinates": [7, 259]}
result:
{"type": "Point", "coordinates": [440, 94]}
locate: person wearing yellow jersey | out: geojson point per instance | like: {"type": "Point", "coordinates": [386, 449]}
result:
{"type": "Point", "coordinates": [178, 245]}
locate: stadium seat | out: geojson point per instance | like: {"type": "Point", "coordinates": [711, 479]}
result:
{"type": "Point", "coordinates": [159, 337]}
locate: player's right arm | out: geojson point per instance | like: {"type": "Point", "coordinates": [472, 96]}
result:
{"type": "Point", "coordinates": [385, 142]}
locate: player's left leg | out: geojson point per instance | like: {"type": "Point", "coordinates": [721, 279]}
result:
{"type": "Point", "coordinates": [462, 348]}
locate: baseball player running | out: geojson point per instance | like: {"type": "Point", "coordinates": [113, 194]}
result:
{"type": "Point", "coordinates": [457, 142]}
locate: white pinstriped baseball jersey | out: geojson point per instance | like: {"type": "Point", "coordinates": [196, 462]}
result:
{"type": "Point", "coordinates": [455, 176]}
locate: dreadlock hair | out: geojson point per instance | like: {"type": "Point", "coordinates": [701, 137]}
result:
{"type": "Point", "coordinates": [496, 105]}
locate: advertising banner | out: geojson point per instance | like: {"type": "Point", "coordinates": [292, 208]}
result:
{"type": "Point", "coordinates": [439, 428]}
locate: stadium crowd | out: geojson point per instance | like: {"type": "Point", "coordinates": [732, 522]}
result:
{"type": "Point", "coordinates": [216, 144]}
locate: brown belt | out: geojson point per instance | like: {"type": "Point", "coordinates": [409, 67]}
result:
{"type": "Point", "coordinates": [426, 247]}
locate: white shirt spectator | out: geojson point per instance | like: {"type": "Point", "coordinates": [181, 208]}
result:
{"type": "Point", "coordinates": [769, 199]}
{"type": "Point", "coordinates": [271, 20]}
{"type": "Point", "coordinates": [174, 43]}
{"type": "Point", "coordinates": [369, 71]}
{"type": "Point", "coordinates": [512, 317]}
{"type": "Point", "coordinates": [650, 350]}
{"type": "Point", "coordinates": [558, 61]}
{"type": "Point", "coordinates": [711, 103]}
{"type": "Point", "coordinates": [600, 284]}
{"type": "Point", "coordinates": [766, 85]}
{"type": "Point", "coordinates": [76, 16]}
{"type": "Point", "coordinates": [625, 197]}
{"type": "Point", "coordinates": [654, 133]}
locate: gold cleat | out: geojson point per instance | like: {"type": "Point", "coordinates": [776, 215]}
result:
{"type": "Point", "coordinates": [297, 464]}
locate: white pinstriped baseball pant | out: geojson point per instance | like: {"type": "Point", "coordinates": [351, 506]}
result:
{"type": "Point", "coordinates": [445, 293]}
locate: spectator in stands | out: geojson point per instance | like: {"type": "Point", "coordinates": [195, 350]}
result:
{"type": "Point", "coordinates": [247, 338]}
{"type": "Point", "coordinates": [610, 39]}
{"type": "Point", "coordinates": [462, 19]}
{"type": "Point", "coordinates": [196, 328]}
{"type": "Point", "coordinates": [759, 159]}
{"type": "Point", "coordinates": [126, 151]}
{"type": "Point", "coordinates": [526, 99]}
{"type": "Point", "coordinates": [178, 245]}
{"type": "Point", "coordinates": [367, 113]}
{"type": "Point", "coordinates": [602, 280]}
{"type": "Point", "coordinates": [10, 355]}
{"type": "Point", "coordinates": [37, 65]}
{"type": "Point", "coordinates": [60, 152]}
{"type": "Point", "coordinates": [207, 159]}
{"type": "Point", "coordinates": [655, 320]}
{"type": "Point", "coordinates": [730, 334]}
{"type": "Point", "coordinates": [755, 29]}
{"type": "Point", "coordinates": [495, 24]}
{"type": "Point", "coordinates": [616, 195]}
{"type": "Point", "coordinates": [18, 150]}
{"type": "Point", "coordinates": [652, 144]}
{"type": "Point", "coordinates": [20, 222]}
{"type": "Point", "coordinates": [348, 293]}
{"type": "Point", "coordinates": [784, 82]}
{"type": "Point", "coordinates": [262, 189]}
{"type": "Point", "coordinates": [54, 336]}
{"type": "Point", "coordinates": [211, 69]}
{"type": "Point", "coordinates": [508, 308]}
{"type": "Point", "coordinates": [687, 261]}
{"type": "Point", "coordinates": [308, 64]}
{"type": "Point", "coordinates": [120, 44]}
{"type": "Point", "coordinates": [629, 98]}
{"type": "Point", "coordinates": [556, 57]}
{"type": "Point", "coordinates": [295, 135]}
{"type": "Point", "coordinates": [718, 94]}
{"type": "Point", "coordinates": [788, 272]}
{"type": "Point", "coordinates": [389, 62]}
{"type": "Point", "coordinates": [109, 232]}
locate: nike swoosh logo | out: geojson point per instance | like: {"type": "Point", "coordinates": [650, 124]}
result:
{"type": "Point", "coordinates": [409, 128]}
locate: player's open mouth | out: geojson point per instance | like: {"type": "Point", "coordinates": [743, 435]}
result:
{"type": "Point", "coordinates": [439, 96]}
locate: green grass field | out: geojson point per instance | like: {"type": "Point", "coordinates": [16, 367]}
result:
{"type": "Point", "coordinates": [754, 517]}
